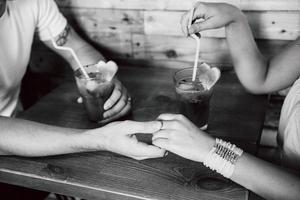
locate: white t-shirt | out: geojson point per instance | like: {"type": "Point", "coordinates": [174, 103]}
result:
{"type": "Point", "coordinates": [289, 128]}
{"type": "Point", "coordinates": [20, 21]}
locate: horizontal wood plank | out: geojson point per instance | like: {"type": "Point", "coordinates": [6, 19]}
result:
{"type": "Point", "coordinates": [179, 4]}
{"type": "Point", "coordinates": [265, 25]}
{"type": "Point", "coordinates": [213, 50]}
{"type": "Point", "coordinates": [173, 52]}
{"type": "Point", "coordinates": [104, 175]}
{"type": "Point", "coordinates": [93, 20]}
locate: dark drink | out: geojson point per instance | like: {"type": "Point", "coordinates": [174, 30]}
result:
{"type": "Point", "coordinates": [94, 91]}
{"type": "Point", "coordinates": [193, 96]}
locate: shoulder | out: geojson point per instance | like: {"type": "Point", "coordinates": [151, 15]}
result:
{"type": "Point", "coordinates": [35, 5]}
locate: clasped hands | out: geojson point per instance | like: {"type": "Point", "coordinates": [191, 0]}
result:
{"type": "Point", "coordinates": [171, 132]}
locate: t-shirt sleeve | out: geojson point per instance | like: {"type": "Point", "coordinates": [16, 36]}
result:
{"type": "Point", "coordinates": [50, 22]}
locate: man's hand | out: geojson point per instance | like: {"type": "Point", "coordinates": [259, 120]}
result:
{"type": "Point", "coordinates": [213, 15]}
{"type": "Point", "coordinates": [182, 137]}
{"type": "Point", "coordinates": [118, 137]}
{"type": "Point", "coordinates": [118, 104]}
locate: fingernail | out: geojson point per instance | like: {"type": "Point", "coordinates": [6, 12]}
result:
{"type": "Point", "coordinates": [191, 30]}
{"type": "Point", "coordinates": [106, 106]}
{"type": "Point", "coordinates": [166, 153]}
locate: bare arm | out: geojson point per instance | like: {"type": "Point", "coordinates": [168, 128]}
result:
{"type": "Point", "coordinates": [256, 73]}
{"type": "Point", "coordinates": [266, 179]}
{"type": "Point", "coordinates": [118, 104]}
{"type": "Point", "coordinates": [27, 138]}
{"type": "Point", "coordinates": [85, 52]}
{"type": "Point", "coordinates": [181, 137]}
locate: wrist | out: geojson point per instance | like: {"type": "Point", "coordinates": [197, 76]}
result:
{"type": "Point", "coordinates": [90, 140]}
{"type": "Point", "coordinates": [202, 148]}
{"type": "Point", "coordinates": [238, 19]}
{"type": "Point", "coordinates": [223, 157]}
{"type": "Point", "coordinates": [209, 144]}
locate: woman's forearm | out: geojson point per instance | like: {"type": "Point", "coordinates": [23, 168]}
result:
{"type": "Point", "coordinates": [265, 179]}
{"type": "Point", "coordinates": [257, 73]}
{"type": "Point", "coordinates": [250, 66]}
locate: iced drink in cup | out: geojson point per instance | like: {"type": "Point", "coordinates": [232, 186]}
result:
{"type": "Point", "coordinates": [194, 96]}
{"type": "Point", "coordinates": [96, 89]}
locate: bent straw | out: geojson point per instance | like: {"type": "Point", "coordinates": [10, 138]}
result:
{"type": "Point", "coordinates": [198, 46]}
{"type": "Point", "coordinates": [72, 52]}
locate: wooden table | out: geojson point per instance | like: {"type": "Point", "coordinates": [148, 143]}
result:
{"type": "Point", "coordinates": [235, 115]}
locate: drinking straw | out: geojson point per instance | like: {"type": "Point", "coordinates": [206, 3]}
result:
{"type": "Point", "coordinates": [72, 52]}
{"type": "Point", "coordinates": [198, 46]}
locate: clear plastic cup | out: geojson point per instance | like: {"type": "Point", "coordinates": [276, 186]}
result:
{"type": "Point", "coordinates": [193, 96]}
{"type": "Point", "coordinates": [94, 90]}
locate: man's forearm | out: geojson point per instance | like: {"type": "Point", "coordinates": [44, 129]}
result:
{"type": "Point", "coordinates": [86, 53]}
{"type": "Point", "coordinates": [26, 138]}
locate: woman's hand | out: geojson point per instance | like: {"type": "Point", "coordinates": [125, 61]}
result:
{"type": "Point", "coordinates": [118, 104]}
{"type": "Point", "coordinates": [182, 137]}
{"type": "Point", "coordinates": [118, 137]}
{"type": "Point", "coordinates": [213, 15]}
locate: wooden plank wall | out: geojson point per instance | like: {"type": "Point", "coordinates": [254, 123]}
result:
{"type": "Point", "coordinates": [147, 32]}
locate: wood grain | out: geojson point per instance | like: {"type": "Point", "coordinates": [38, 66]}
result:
{"type": "Point", "coordinates": [93, 20]}
{"type": "Point", "coordinates": [265, 25]}
{"type": "Point", "coordinates": [153, 93]}
{"type": "Point", "coordinates": [213, 50]}
{"type": "Point", "coordinates": [148, 50]}
{"type": "Point", "coordinates": [235, 115]}
{"type": "Point", "coordinates": [179, 4]}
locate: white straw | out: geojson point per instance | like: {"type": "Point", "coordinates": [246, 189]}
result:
{"type": "Point", "coordinates": [198, 46]}
{"type": "Point", "coordinates": [72, 52]}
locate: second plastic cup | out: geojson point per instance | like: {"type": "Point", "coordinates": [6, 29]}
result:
{"type": "Point", "coordinates": [193, 97]}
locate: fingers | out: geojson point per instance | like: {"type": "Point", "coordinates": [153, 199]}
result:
{"type": "Point", "coordinates": [79, 100]}
{"type": "Point", "coordinates": [169, 117]}
{"type": "Point", "coordinates": [198, 12]}
{"type": "Point", "coordinates": [166, 116]}
{"type": "Point", "coordinates": [185, 23]}
{"type": "Point", "coordinates": [148, 151]}
{"type": "Point", "coordinates": [119, 106]}
{"type": "Point", "coordinates": [132, 127]}
{"type": "Point", "coordinates": [161, 142]}
{"type": "Point", "coordinates": [200, 26]}
{"type": "Point", "coordinates": [161, 134]}
{"type": "Point", "coordinates": [122, 113]}
{"type": "Point", "coordinates": [115, 96]}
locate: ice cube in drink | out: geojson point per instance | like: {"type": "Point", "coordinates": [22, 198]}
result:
{"type": "Point", "coordinates": [193, 99]}
{"type": "Point", "coordinates": [94, 91]}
